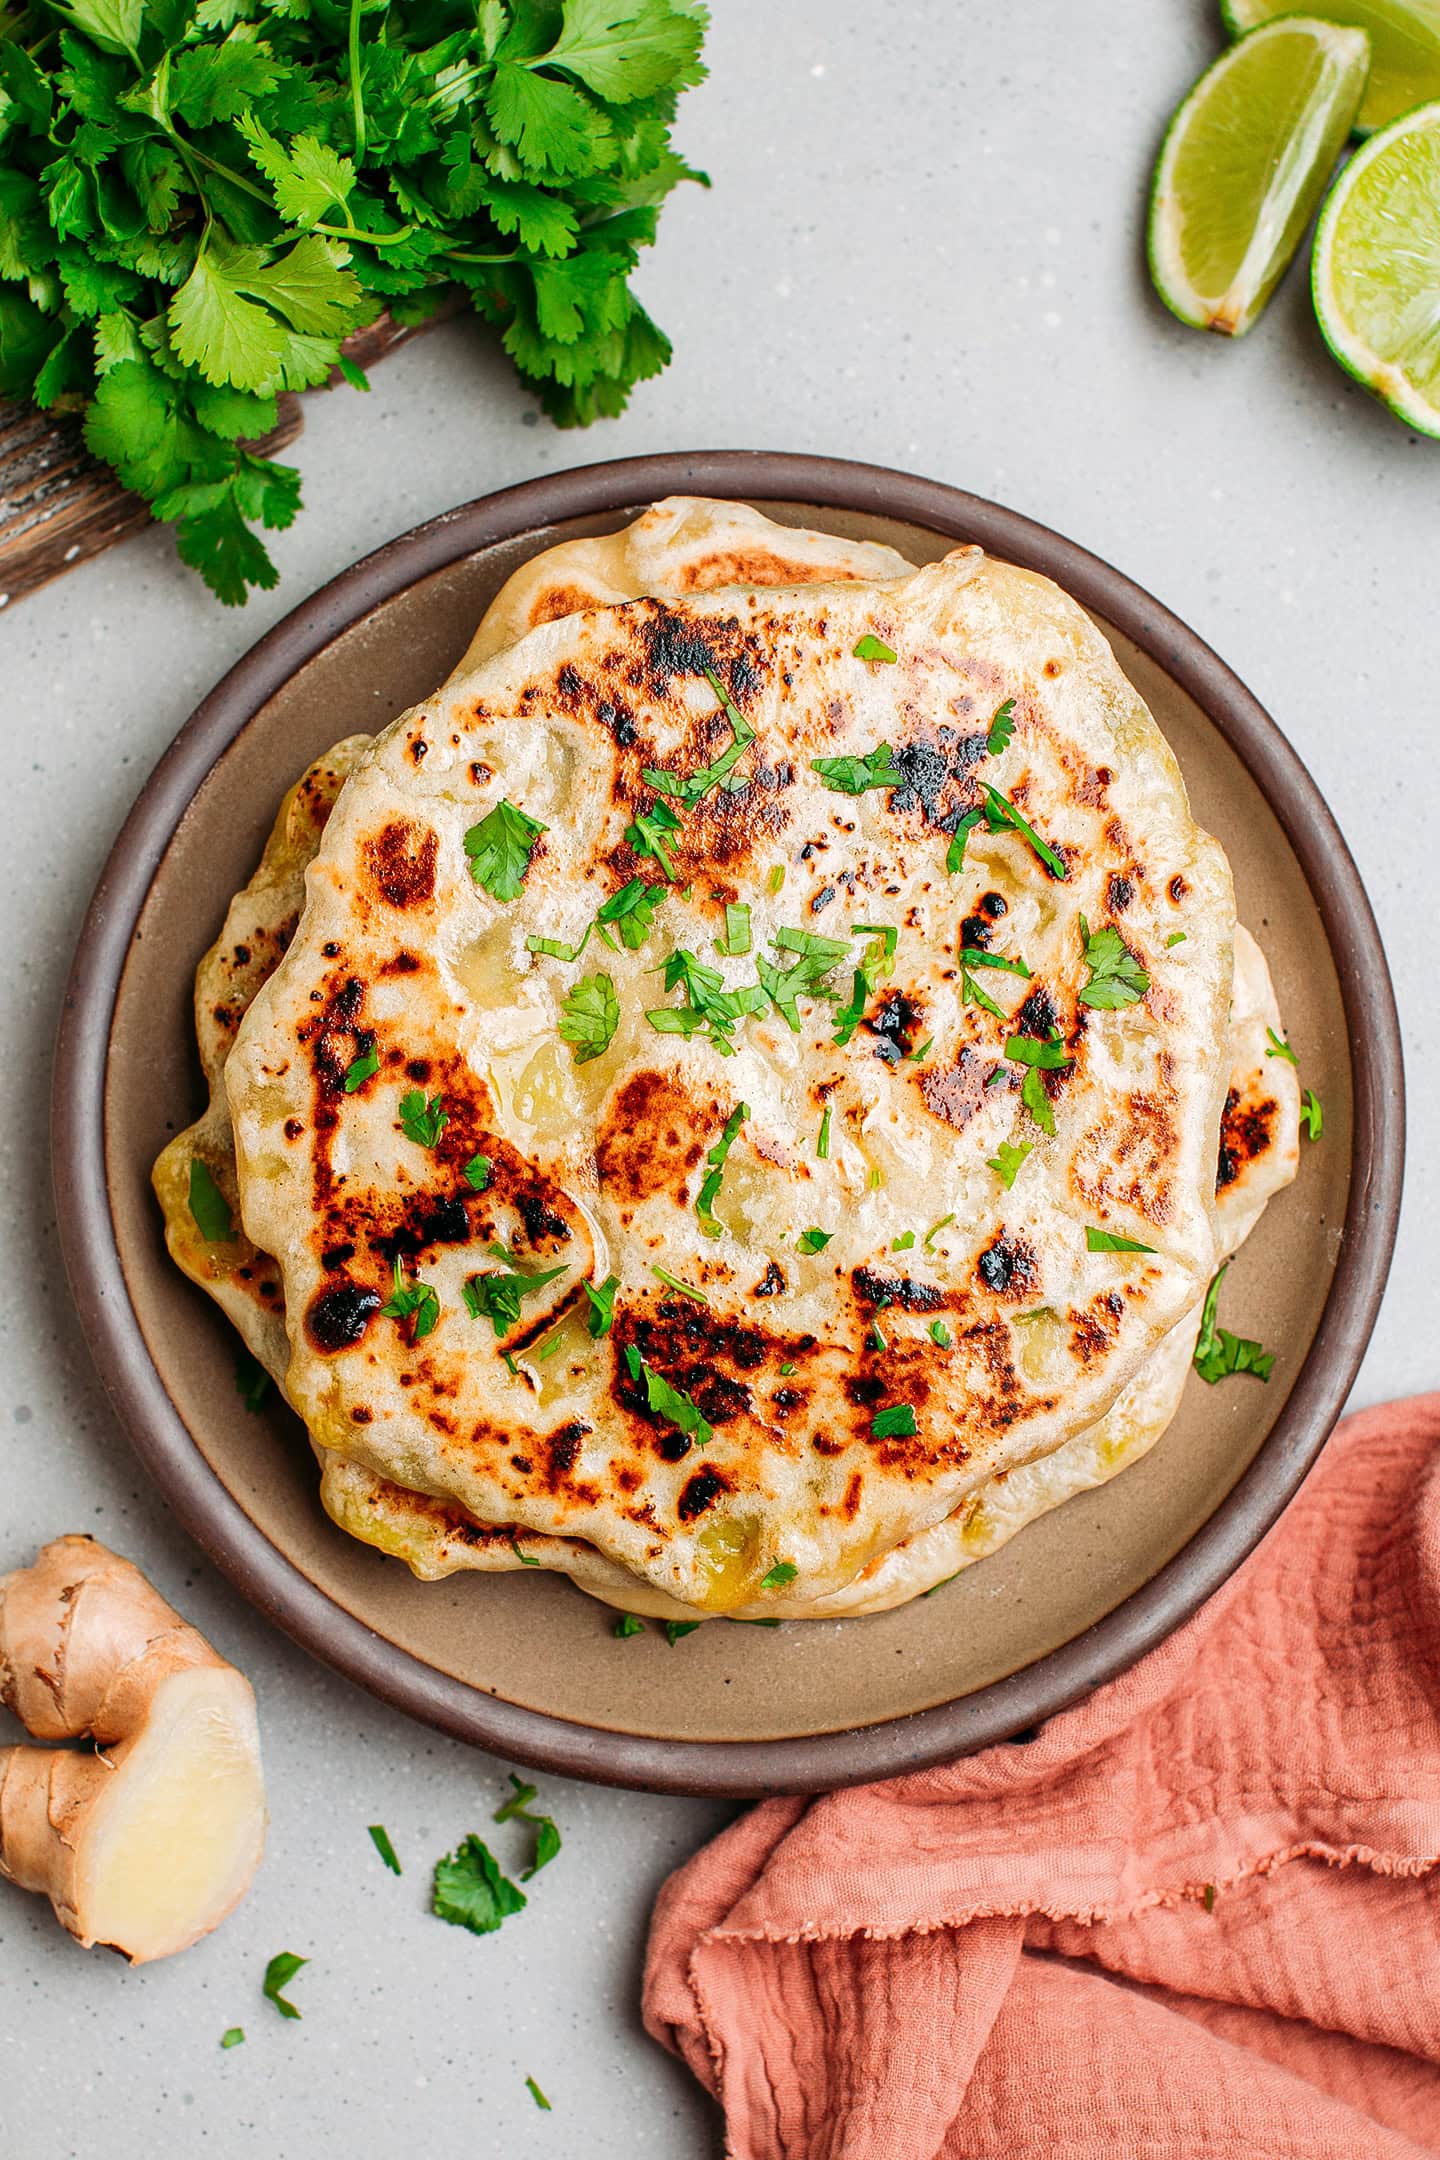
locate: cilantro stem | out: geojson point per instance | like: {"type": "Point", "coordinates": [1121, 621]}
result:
{"type": "Point", "coordinates": [356, 94]}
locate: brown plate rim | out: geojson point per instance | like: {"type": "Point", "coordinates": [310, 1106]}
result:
{"type": "Point", "coordinates": [812, 1763]}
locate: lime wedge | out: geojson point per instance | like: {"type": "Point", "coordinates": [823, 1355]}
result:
{"type": "Point", "coordinates": [1376, 270]}
{"type": "Point", "coordinates": [1244, 164]}
{"type": "Point", "coordinates": [1404, 46]}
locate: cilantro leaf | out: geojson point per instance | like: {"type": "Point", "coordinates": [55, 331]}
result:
{"type": "Point", "coordinates": [676, 1630]}
{"type": "Point", "coordinates": [280, 1971]}
{"type": "Point", "coordinates": [496, 1296]}
{"type": "Point", "coordinates": [1002, 727]}
{"type": "Point", "coordinates": [1219, 1355]}
{"type": "Point", "coordinates": [209, 1209]}
{"type": "Point", "coordinates": [422, 1121]}
{"type": "Point", "coordinates": [380, 1839]}
{"type": "Point", "coordinates": [871, 647]}
{"type": "Point", "coordinates": [709, 1191]}
{"type": "Point", "coordinates": [940, 1335]}
{"type": "Point", "coordinates": [1002, 812]}
{"type": "Point", "coordinates": [709, 1009]}
{"type": "Point", "coordinates": [517, 1809]}
{"type": "Point", "coordinates": [1108, 1241]}
{"type": "Point", "coordinates": [1006, 1161]}
{"type": "Point", "coordinates": [814, 1241]}
{"type": "Point", "coordinates": [855, 775]}
{"type": "Point", "coordinates": [964, 826]}
{"type": "Point", "coordinates": [234, 2036]}
{"type": "Point", "coordinates": [1037, 1057]}
{"type": "Point", "coordinates": [895, 1423]}
{"type": "Point", "coordinates": [778, 1575]}
{"type": "Point", "coordinates": [627, 49]}
{"type": "Point", "coordinates": [1280, 1048]}
{"type": "Point", "coordinates": [1116, 976]}
{"type": "Point", "coordinates": [500, 847]}
{"type": "Point", "coordinates": [417, 1302]}
{"type": "Point", "coordinates": [362, 1067]}
{"type": "Point", "coordinates": [589, 1017]}
{"type": "Point", "coordinates": [1312, 1114]}
{"type": "Point", "coordinates": [628, 1624]}
{"type": "Point", "coordinates": [737, 930]}
{"type": "Point", "coordinates": [536, 2095]}
{"type": "Point", "coordinates": [669, 1401]}
{"type": "Point", "coordinates": [809, 963]}
{"type": "Point", "coordinates": [470, 1889]}
{"type": "Point", "coordinates": [632, 910]}
{"type": "Point", "coordinates": [476, 1173]}
{"type": "Point", "coordinates": [602, 1305]}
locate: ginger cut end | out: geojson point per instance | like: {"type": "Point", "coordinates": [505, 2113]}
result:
{"type": "Point", "coordinates": [177, 1831]}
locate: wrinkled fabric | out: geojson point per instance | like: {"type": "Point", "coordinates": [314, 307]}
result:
{"type": "Point", "coordinates": [1016, 1953]}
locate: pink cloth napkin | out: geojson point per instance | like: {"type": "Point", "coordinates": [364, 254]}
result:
{"type": "Point", "coordinates": [1013, 1955]}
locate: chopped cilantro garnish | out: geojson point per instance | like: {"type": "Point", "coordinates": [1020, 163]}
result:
{"type": "Point", "coordinates": [525, 1559]}
{"type": "Point", "coordinates": [590, 1016]}
{"type": "Point", "coordinates": [422, 1121]}
{"type": "Point", "coordinates": [673, 1282]}
{"type": "Point", "coordinates": [632, 910]}
{"type": "Point", "coordinates": [536, 2095]}
{"type": "Point", "coordinates": [472, 1891]}
{"type": "Point", "coordinates": [918, 1057]}
{"type": "Point", "coordinates": [496, 1296]}
{"type": "Point", "coordinates": [896, 1423]}
{"type": "Point", "coordinates": [786, 1370]}
{"type": "Point", "coordinates": [904, 1242]}
{"type": "Point", "coordinates": [417, 1298]}
{"type": "Point", "coordinates": [877, 961]}
{"type": "Point", "coordinates": [1002, 812]}
{"type": "Point", "coordinates": [1038, 1057]}
{"type": "Point", "coordinates": [251, 1380]}
{"type": "Point", "coordinates": [361, 1067]}
{"type": "Point", "coordinates": [233, 2037]}
{"type": "Point", "coordinates": [777, 877]}
{"type": "Point", "coordinates": [280, 1971]}
{"type": "Point", "coordinates": [874, 1181]}
{"type": "Point", "coordinates": [709, 1192]}
{"type": "Point", "coordinates": [548, 1348]}
{"type": "Point", "coordinates": [650, 833]}
{"type": "Point", "coordinates": [1002, 727]}
{"type": "Point", "coordinates": [856, 775]}
{"type": "Point", "coordinates": [1312, 1114]}
{"type": "Point", "coordinates": [940, 1335]}
{"type": "Point", "coordinates": [628, 1624]}
{"type": "Point", "coordinates": [557, 949]}
{"type": "Point", "coordinates": [517, 1809]}
{"type": "Point", "coordinates": [737, 930]}
{"type": "Point", "coordinates": [959, 835]}
{"type": "Point", "coordinates": [813, 1241]}
{"type": "Point", "coordinates": [602, 1305]}
{"type": "Point", "coordinates": [940, 1585]}
{"type": "Point", "coordinates": [933, 1232]}
{"type": "Point", "coordinates": [675, 1629]}
{"type": "Point", "coordinates": [500, 848]}
{"type": "Point", "coordinates": [1006, 1160]}
{"type": "Point", "coordinates": [668, 1400]}
{"type": "Point", "coordinates": [808, 960]}
{"type": "Point", "coordinates": [689, 792]}
{"type": "Point", "coordinates": [1280, 1048]}
{"type": "Point", "coordinates": [972, 957]}
{"type": "Point", "coordinates": [1107, 1241]}
{"type": "Point", "coordinates": [209, 1208]}
{"type": "Point", "coordinates": [1219, 1355]}
{"type": "Point", "coordinates": [380, 1839]}
{"type": "Point", "coordinates": [1116, 976]}
{"type": "Point", "coordinates": [476, 1173]}
{"type": "Point", "coordinates": [1176, 937]}
{"type": "Point", "coordinates": [822, 1145]}
{"type": "Point", "coordinates": [709, 1009]}
{"type": "Point", "coordinates": [877, 1336]}
{"type": "Point", "coordinates": [779, 1574]}
{"type": "Point", "coordinates": [871, 647]}
{"type": "Point", "coordinates": [735, 1620]}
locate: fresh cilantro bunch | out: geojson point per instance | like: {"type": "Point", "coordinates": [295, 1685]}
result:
{"type": "Point", "coordinates": [199, 199]}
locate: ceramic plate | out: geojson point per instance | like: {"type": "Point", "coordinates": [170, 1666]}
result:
{"type": "Point", "coordinates": [524, 1663]}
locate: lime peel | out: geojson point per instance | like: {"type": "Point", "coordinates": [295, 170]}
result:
{"type": "Point", "coordinates": [1243, 166]}
{"type": "Point", "coordinates": [1375, 273]}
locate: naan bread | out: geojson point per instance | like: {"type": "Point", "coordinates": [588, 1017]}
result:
{"type": "Point", "coordinates": [436, 1539]}
{"type": "Point", "coordinates": [433, 970]}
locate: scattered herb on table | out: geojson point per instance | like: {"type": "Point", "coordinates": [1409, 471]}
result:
{"type": "Point", "coordinates": [201, 203]}
{"type": "Point", "coordinates": [1280, 1048]}
{"type": "Point", "coordinates": [234, 2037]}
{"type": "Point", "coordinates": [280, 1971]}
{"type": "Point", "coordinates": [1312, 1114]}
{"type": "Point", "coordinates": [471, 1890]}
{"type": "Point", "coordinates": [380, 1839]}
{"type": "Point", "coordinates": [676, 1629]}
{"type": "Point", "coordinates": [251, 1380]}
{"type": "Point", "coordinates": [628, 1624]}
{"type": "Point", "coordinates": [536, 2095]}
{"type": "Point", "coordinates": [518, 1809]}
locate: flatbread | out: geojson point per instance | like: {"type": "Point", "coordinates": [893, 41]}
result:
{"type": "Point", "coordinates": [563, 725]}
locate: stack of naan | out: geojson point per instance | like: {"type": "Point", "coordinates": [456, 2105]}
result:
{"type": "Point", "coordinates": [724, 1099]}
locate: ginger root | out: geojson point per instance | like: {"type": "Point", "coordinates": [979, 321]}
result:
{"type": "Point", "coordinates": [148, 1840]}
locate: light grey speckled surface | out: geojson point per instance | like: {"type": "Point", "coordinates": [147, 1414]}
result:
{"type": "Point", "coordinates": [922, 248]}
